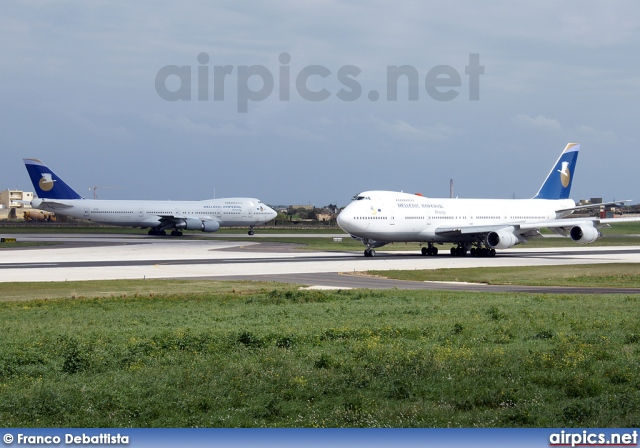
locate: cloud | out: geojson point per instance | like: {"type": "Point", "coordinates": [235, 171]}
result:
{"type": "Point", "coordinates": [402, 129]}
{"type": "Point", "coordinates": [298, 133]}
{"type": "Point", "coordinates": [588, 133]}
{"type": "Point", "coordinates": [540, 122]}
{"type": "Point", "coordinates": [579, 133]}
{"type": "Point", "coordinates": [183, 124]}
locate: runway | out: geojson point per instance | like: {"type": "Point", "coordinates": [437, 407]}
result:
{"type": "Point", "coordinates": [107, 257]}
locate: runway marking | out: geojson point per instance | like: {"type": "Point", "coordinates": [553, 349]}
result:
{"type": "Point", "coordinates": [456, 283]}
{"type": "Point", "coordinates": [25, 265]}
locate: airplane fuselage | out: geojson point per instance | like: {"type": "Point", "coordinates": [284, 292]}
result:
{"type": "Point", "coordinates": [143, 214]}
{"type": "Point", "coordinates": [389, 216]}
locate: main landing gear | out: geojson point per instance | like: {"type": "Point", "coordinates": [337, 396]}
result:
{"type": "Point", "coordinates": [461, 250]}
{"type": "Point", "coordinates": [430, 250]}
{"type": "Point", "coordinates": [483, 252]}
{"type": "Point", "coordinates": [368, 252]}
{"type": "Point", "coordinates": [251, 232]}
{"type": "Point", "coordinates": [164, 232]}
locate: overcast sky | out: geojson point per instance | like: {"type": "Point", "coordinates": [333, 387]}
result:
{"type": "Point", "coordinates": [79, 90]}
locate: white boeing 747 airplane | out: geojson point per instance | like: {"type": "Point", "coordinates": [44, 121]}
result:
{"type": "Point", "coordinates": [478, 226]}
{"type": "Point", "coordinates": [54, 195]}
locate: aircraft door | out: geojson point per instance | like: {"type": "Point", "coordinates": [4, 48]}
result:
{"type": "Point", "coordinates": [392, 218]}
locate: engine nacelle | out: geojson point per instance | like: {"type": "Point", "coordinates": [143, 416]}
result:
{"type": "Point", "coordinates": [501, 239]}
{"type": "Point", "coordinates": [584, 234]}
{"type": "Point", "coordinates": [210, 226]}
{"type": "Point", "coordinates": [198, 224]}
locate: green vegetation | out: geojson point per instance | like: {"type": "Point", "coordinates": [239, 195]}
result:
{"type": "Point", "coordinates": [615, 275]}
{"type": "Point", "coordinates": [25, 244]}
{"type": "Point", "coordinates": [241, 354]}
{"type": "Point", "coordinates": [624, 228]}
{"type": "Point", "coordinates": [123, 288]}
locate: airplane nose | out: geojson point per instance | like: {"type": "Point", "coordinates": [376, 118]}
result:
{"type": "Point", "coordinates": [343, 220]}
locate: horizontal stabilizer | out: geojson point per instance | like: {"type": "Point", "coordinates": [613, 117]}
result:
{"type": "Point", "coordinates": [587, 206]}
{"type": "Point", "coordinates": [53, 205]}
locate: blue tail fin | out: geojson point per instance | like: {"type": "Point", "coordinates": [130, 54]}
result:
{"type": "Point", "coordinates": [46, 183]}
{"type": "Point", "coordinates": [557, 185]}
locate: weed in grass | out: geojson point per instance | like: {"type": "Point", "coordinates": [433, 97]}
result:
{"type": "Point", "coordinates": [577, 414]}
{"type": "Point", "coordinates": [544, 334]}
{"type": "Point", "coordinates": [75, 356]}
{"type": "Point", "coordinates": [248, 339]}
{"type": "Point", "coordinates": [495, 314]}
{"type": "Point", "coordinates": [632, 338]}
{"type": "Point", "coordinates": [324, 362]}
{"type": "Point", "coordinates": [285, 342]}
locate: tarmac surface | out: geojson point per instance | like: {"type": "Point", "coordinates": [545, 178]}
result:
{"type": "Point", "coordinates": [105, 257]}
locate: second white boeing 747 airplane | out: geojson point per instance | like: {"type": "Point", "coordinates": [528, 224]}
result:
{"type": "Point", "coordinates": [54, 195]}
{"type": "Point", "coordinates": [476, 226]}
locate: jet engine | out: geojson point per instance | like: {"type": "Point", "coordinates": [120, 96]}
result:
{"type": "Point", "coordinates": [501, 239]}
{"type": "Point", "coordinates": [198, 224]}
{"type": "Point", "coordinates": [584, 234]}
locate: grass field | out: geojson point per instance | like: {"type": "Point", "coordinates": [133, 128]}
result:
{"type": "Point", "coordinates": [622, 275]}
{"type": "Point", "coordinates": [216, 354]}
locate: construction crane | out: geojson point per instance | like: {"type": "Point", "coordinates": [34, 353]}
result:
{"type": "Point", "coordinates": [102, 187]}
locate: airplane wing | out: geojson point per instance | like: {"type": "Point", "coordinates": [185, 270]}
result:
{"type": "Point", "coordinates": [571, 222]}
{"type": "Point", "coordinates": [181, 217]}
{"type": "Point", "coordinates": [528, 230]}
{"type": "Point", "coordinates": [187, 222]}
{"type": "Point", "coordinates": [171, 217]}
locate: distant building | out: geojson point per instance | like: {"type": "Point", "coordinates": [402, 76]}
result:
{"type": "Point", "coordinates": [305, 207]}
{"type": "Point", "coordinates": [11, 205]}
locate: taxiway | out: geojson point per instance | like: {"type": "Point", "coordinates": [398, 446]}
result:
{"type": "Point", "coordinates": [107, 257]}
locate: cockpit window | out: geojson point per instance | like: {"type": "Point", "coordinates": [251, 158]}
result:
{"type": "Point", "coordinates": [359, 197]}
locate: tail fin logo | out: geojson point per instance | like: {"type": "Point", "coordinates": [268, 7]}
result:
{"type": "Point", "coordinates": [559, 186]}
{"type": "Point", "coordinates": [565, 174]}
{"type": "Point", "coordinates": [46, 183]}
